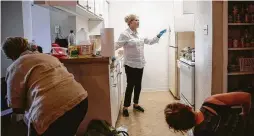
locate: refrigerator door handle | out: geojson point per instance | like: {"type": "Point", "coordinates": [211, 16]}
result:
{"type": "Point", "coordinates": [173, 46]}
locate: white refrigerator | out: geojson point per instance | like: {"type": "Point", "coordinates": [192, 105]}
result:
{"type": "Point", "coordinates": [182, 40]}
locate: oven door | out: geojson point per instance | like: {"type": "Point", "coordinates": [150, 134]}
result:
{"type": "Point", "coordinates": [187, 83]}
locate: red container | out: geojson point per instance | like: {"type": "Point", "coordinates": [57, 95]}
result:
{"type": "Point", "coordinates": [230, 43]}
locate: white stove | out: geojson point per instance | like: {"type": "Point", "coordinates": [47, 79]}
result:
{"type": "Point", "coordinates": [187, 82]}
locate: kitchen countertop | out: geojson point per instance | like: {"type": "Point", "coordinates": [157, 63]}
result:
{"type": "Point", "coordinates": [96, 59]}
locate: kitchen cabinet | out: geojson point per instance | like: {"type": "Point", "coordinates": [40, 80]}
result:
{"type": "Point", "coordinates": [99, 6]}
{"type": "Point", "coordinates": [103, 81]}
{"type": "Point", "coordinates": [116, 92]}
{"type": "Point", "coordinates": [84, 8]}
{"type": "Point", "coordinates": [114, 100]}
{"type": "Point", "coordinates": [122, 81]}
{"type": "Point", "coordinates": [83, 3]}
{"type": "Point", "coordinates": [94, 27]}
{"type": "Point", "coordinates": [189, 7]}
{"type": "Point", "coordinates": [91, 5]}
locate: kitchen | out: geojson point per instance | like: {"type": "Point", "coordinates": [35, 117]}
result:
{"type": "Point", "coordinates": [40, 21]}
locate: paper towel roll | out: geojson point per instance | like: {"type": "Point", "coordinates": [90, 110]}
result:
{"type": "Point", "coordinates": [107, 42]}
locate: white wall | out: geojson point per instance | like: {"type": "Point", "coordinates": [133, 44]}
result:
{"type": "Point", "coordinates": [27, 19]}
{"type": "Point", "coordinates": [181, 19]}
{"type": "Point", "coordinates": [154, 16]}
{"type": "Point", "coordinates": [41, 27]}
{"type": "Point", "coordinates": [106, 14]}
{"type": "Point", "coordinates": [11, 25]}
{"type": "Point", "coordinates": [203, 51]}
{"type": "Point", "coordinates": [203, 44]}
{"type": "Point", "coordinates": [82, 22]}
{"type": "Point", "coordinates": [61, 19]}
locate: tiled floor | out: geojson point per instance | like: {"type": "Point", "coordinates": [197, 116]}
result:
{"type": "Point", "coordinates": [152, 122]}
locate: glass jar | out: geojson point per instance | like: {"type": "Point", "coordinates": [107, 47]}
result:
{"type": "Point", "coordinates": [242, 42]}
{"type": "Point", "coordinates": [235, 43]}
{"type": "Point", "coordinates": [230, 43]}
{"type": "Point", "coordinates": [235, 9]}
{"type": "Point", "coordinates": [238, 18]}
{"type": "Point", "coordinates": [230, 18]}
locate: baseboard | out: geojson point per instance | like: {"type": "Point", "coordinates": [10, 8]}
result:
{"type": "Point", "coordinates": [155, 90]}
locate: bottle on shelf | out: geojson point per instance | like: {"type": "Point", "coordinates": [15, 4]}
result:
{"type": "Point", "coordinates": [252, 41]}
{"type": "Point", "coordinates": [252, 17]}
{"type": "Point", "coordinates": [251, 7]}
{"type": "Point", "coordinates": [235, 43]}
{"type": "Point", "coordinates": [230, 42]}
{"type": "Point", "coordinates": [238, 18]}
{"type": "Point", "coordinates": [247, 15]}
{"type": "Point", "coordinates": [235, 12]}
{"type": "Point", "coordinates": [242, 42]}
{"type": "Point", "coordinates": [242, 12]}
{"type": "Point", "coordinates": [247, 38]}
{"type": "Point", "coordinates": [230, 39]}
{"type": "Point", "coordinates": [230, 18]}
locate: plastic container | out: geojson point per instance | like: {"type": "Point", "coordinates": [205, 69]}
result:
{"type": "Point", "coordinates": [82, 37]}
{"type": "Point", "coordinates": [86, 50]}
{"type": "Point", "coordinates": [74, 51]}
{"type": "Point", "coordinates": [59, 52]}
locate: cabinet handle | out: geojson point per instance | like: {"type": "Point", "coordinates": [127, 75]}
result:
{"type": "Point", "coordinates": [114, 85]}
{"type": "Point", "coordinates": [88, 7]}
{"type": "Point", "coordinates": [119, 73]}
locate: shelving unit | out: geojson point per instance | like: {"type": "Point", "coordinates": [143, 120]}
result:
{"type": "Point", "coordinates": [240, 73]}
{"type": "Point", "coordinates": [241, 24]}
{"type": "Point", "coordinates": [239, 27]}
{"type": "Point", "coordinates": [241, 49]}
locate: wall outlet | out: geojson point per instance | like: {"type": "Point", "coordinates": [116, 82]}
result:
{"type": "Point", "coordinates": [57, 29]}
{"type": "Point", "coordinates": [205, 30]}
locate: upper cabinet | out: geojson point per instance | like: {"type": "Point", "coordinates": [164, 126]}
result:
{"type": "Point", "coordinates": [84, 8]}
{"type": "Point", "coordinates": [189, 7]}
{"type": "Point", "coordinates": [99, 7]}
{"type": "Point", "coordinates": [83, 3]}
{"type": "Point", "coordinates": [95, 10]}
{"type": "Point", "coordinates": [91, 5]}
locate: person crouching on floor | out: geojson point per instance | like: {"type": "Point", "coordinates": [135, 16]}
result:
{"type": "Point", "coordinates": [215, 118]}
{"type": "Point", "coordinates": [40, 86]}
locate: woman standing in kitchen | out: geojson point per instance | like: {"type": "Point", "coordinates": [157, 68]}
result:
{"type": "Point", "coordinates": [134, 60]}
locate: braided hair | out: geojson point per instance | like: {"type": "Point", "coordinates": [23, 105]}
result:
{"type": "Point", "coordinates": [13, 47]}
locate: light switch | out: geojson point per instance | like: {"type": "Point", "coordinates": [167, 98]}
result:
{"type": "Point", "coordinates": [205, 29]}
{"type": "Point", "coordinates": [57, 29]}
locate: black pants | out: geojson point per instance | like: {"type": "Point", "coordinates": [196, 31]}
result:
{"type": "Point", "coordinates": [134, 81]}
{"type": "Point", "coordinates": [67, 125]}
